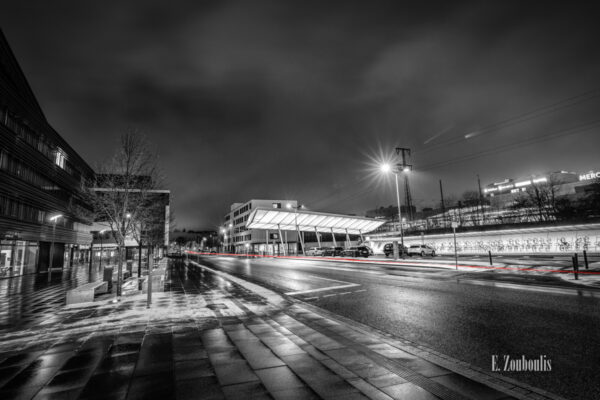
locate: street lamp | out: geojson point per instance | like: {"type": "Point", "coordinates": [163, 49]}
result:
{"type": "Point", "coordinates": [53, 219]}
{"type": "Point", "coordinates": [101, 245]}
{"type": "Point", "coordinates": [385, 168]}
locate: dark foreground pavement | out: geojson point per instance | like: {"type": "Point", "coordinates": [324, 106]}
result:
{"type": "Point", "coordinates": [214, 336]}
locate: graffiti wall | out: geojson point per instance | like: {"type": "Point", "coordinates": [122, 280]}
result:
{"type": "Point", "coordinates": [550, 240]}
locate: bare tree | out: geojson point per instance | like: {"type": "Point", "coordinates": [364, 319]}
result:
{"type": "Point", "coordinates": [544, 197]}
{"type": "Point", "coordinates": [470, 198]}
{"type": "Point", "coordinates": [592, 200]}
{"type": "Point", "coordinates": [524, 206]}
{"type": "Point", "coordinates": [121, 189]}
{"type": "Point", "coordinates": [148, 230]}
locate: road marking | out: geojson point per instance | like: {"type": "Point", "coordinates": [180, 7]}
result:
{"type": "Point", "coordinates": [322, 289]}
{"type": "Point", "coordinates": [328, 295]}
{"type": "Point", "coordinates": [349, 269]}
{"type": "Point", "coordinates": [347, 285]}
{"type": "Point", "coordinates": [360, 290]}
{"type": "Point", "coordinates": [343, 293]}
{"type": "Point", "coordinates": [311, 298]}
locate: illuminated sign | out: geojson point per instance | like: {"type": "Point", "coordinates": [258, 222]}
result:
{"type": "Point", "coordinates": [524, 183]}
{"type": "Point", "coordinates": [589, 176]}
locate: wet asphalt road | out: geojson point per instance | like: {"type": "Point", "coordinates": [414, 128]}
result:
{"type": "Point", "coordinates": [454, 313]}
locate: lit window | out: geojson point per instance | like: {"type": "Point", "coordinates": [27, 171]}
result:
{"type": "Point", "coordinates": [59, 158]}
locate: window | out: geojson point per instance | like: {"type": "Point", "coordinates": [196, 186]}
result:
{"type": "Point", "coordinates": [3, 160]}
{"type": "Point", "coordinates": [59, 158]}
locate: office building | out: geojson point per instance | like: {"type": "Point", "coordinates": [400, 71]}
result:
{"type": "Point", "coordinates": [238, 239]}
{"type": "Point", "coordinates": [41, 177]}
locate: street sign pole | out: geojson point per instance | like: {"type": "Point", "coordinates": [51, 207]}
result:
{"type": "Point", "coordinates": [454, 226]}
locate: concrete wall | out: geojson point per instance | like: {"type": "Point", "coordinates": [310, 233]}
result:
{"type": "Point", "coordinates": [547, 240]}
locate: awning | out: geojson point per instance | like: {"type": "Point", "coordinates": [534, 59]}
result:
{"type": "Point", "coordinates": [308, 221]}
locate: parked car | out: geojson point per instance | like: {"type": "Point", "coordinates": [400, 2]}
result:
{"type": "Point", "coordinates": [421, 250]}
{"type": "Point", "coordinates": [315, 251]}
{"type": "Point", "coordinates": [388, 249]}
{"type": "Point", "coordinates": [333, 251]}
{"type": "Point", "coordinates": [356, 251]}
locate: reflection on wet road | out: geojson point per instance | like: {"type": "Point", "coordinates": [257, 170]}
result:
{"type": "Point", "coordinates": [442, 311]}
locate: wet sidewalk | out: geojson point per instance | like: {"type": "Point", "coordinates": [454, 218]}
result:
{"type": "Point", "coordinates": [26, 299]}
{"type": "Point", "coordinates": [213, 336]}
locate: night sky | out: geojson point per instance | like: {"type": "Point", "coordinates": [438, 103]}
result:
{"type": "Point", "coordinates": [301, 100]}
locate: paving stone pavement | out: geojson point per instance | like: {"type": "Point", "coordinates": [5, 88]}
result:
{"type": "Point", "coordinates": [24, 300]}
{"type": "Point", "coordinates": [210, 337]}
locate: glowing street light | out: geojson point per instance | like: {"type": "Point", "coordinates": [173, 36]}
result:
{"type": "Point", "coordinates": [385, 168]}
{"type": "Point", "coordinates": [54, 219]}
{"type": "Point", "coordinates": [101, 246]}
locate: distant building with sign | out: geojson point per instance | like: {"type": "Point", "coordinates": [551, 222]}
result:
{"type": "Point", "coordinates": [566, 183]}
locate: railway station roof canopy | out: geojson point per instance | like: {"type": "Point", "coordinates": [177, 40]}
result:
{"type": "Point", "coordinates": [309, 221]}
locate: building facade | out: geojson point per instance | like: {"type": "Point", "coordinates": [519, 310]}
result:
{"type": "Point", "coordinates": [565, 183]}
{"type": "Point", "coordinates": [41, 180]}
{"type": "Point", "coordinates": [238, 239]}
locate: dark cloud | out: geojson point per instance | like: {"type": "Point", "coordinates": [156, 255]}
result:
{"type": "Point", "coordinates": [294, 99]}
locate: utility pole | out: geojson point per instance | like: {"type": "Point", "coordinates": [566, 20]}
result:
{"type": "Point", "coordinates": [481, 201]}
{"type": "Point", "coordinates": [404, 167]}
{"type": "Point", "coordinates": [443, 205]}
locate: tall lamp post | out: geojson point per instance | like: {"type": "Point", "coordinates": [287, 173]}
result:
{"type": "Point", "coordinates": [230, 242]}
{"type": "Point", "coordinates": [53, 219]}
{"type": "Point", "coordinates": [101, 233]}
{"type": "Point", "coordinates": [385, 168]}
{"type": "Point", "coordinates": [223, 232]}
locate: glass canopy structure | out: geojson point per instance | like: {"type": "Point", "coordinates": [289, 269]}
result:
{"type": "Point", "coordinates": [301, 220]}
{"type": "Point", "coordinates": [310, 221]}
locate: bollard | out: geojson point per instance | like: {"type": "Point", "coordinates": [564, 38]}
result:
{"type": "Point", "coordinates": [585, 260]}
{"type": "Point", "coordinates": [490, 254]}
{"type": "Point", "coordinates": [575, 267]}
